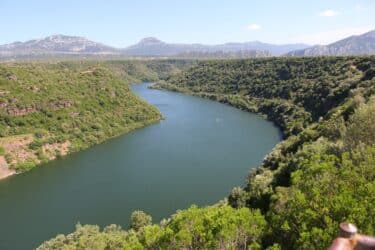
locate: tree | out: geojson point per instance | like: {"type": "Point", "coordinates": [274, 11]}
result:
{"type": "Point", "coordinates": [237, 197]}
{"type": "Point", "coordinates": [139, 219]}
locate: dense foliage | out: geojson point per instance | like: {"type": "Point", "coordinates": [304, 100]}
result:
{"type": "Point", "coordinates": [323, 173]}
{"type": "Point", "coordinates": [212, 227]}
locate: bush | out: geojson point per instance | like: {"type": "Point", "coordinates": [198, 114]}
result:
{"type": "Point", "coordinates": [139, 219]}
{"type": "Point", "coordinates": [25, 166]}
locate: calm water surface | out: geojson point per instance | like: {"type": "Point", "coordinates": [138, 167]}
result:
{"type": "Point", "coordinates": [196, 155]}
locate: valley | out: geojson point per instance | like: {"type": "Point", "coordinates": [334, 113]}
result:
{"type": "Point", "coordinates": [321, 174]}
{"type": "Point", "coordinates": [181, 125]}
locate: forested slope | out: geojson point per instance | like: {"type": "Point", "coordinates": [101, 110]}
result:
{"type": "Point", "coordinates": [291, 92]}
{"type": "Point", "coordinates": [323, 173]}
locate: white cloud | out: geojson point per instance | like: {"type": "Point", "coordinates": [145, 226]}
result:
{"type": "Point", "coordinates": [331, 36]}
{"type": "Point", "coordinates": [329, 13]}
{"type": "Point", "coordinates": [254, 26]}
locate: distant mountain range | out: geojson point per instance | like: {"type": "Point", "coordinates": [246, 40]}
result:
{"type": "Point", "coordinates": [72, 46]}
{"type": "Point", "coordinates": [154, 47]}
{"type": "Point", "coordinates": [61, 46]}
{"type": "Point", "coordinates": [354, 45]}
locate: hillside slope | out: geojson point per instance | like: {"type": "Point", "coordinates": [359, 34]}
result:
{"type": "Point", "coordinates": [354, 45]}
{"type": "Point", "coordinates": [51, 109]}
{"type": "Point", "coordinates": [323, 173]}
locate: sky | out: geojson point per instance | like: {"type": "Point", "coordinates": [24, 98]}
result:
{"type": "Point", "coordinates": [122, 23]}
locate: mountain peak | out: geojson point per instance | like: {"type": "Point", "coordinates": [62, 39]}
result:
{"type": "Point", "coordinates": [59, 37]}
{"type": "Point", "coordinates": [150, 41]}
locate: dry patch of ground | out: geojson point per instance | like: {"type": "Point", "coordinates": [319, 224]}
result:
{"type": "Point", "coordinates": [17, 151]}
{"type": "Point", "coordinates": [4, 168]}
{"type": "Point", "coordinates": [52, 150]}
{"type": "Point", "coordinates": [16, 147]}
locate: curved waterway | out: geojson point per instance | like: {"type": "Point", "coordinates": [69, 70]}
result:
{"type": "Point", "coordinates": [196, 155]}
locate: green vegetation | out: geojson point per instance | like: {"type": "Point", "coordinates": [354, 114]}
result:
{"type": "Point", "coordinates": [139, 219]}
{"type": "Point", "coordinates": [322, 174]}
{"type": "Point", "coordinates": [219, 226]}
{"type": "Point", "coordinates": [147, 70]}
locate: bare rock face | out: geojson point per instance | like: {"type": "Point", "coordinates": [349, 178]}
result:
{"type": "Point", "coordinates": [21, 111]}
{"type": "Point", "coordinates": [61, 105]}
{"type": "Point", "coordinates": [4, 168]}
{"type": "Point", "coordinates": [12, 77]}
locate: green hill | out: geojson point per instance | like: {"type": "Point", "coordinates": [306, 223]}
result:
{"type": "Point", "coordinates": [51, 109]}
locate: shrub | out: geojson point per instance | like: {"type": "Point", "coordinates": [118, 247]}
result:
{"type": "Point", "coordinates": [139, 219]}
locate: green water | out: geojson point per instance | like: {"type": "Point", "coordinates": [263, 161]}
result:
{"type": "Point", "coordinates": [196, 155]}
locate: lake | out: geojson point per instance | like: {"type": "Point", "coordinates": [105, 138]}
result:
{"type": "Point", "coordinates": [195, 156]}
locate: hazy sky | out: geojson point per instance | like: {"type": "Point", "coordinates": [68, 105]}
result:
{"type": "Point", "coordinates": [121, 23]}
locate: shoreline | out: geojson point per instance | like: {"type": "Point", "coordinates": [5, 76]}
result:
{"type": "Point", "coordinates": [225, 100]}
{"type": "Point", "coordinates": [6, 172]}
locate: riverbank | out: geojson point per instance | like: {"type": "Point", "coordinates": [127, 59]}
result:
{"type": "Point", "coordinates": [53, 151]}
{"type": "Point", "coordinates": [237, 101]}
